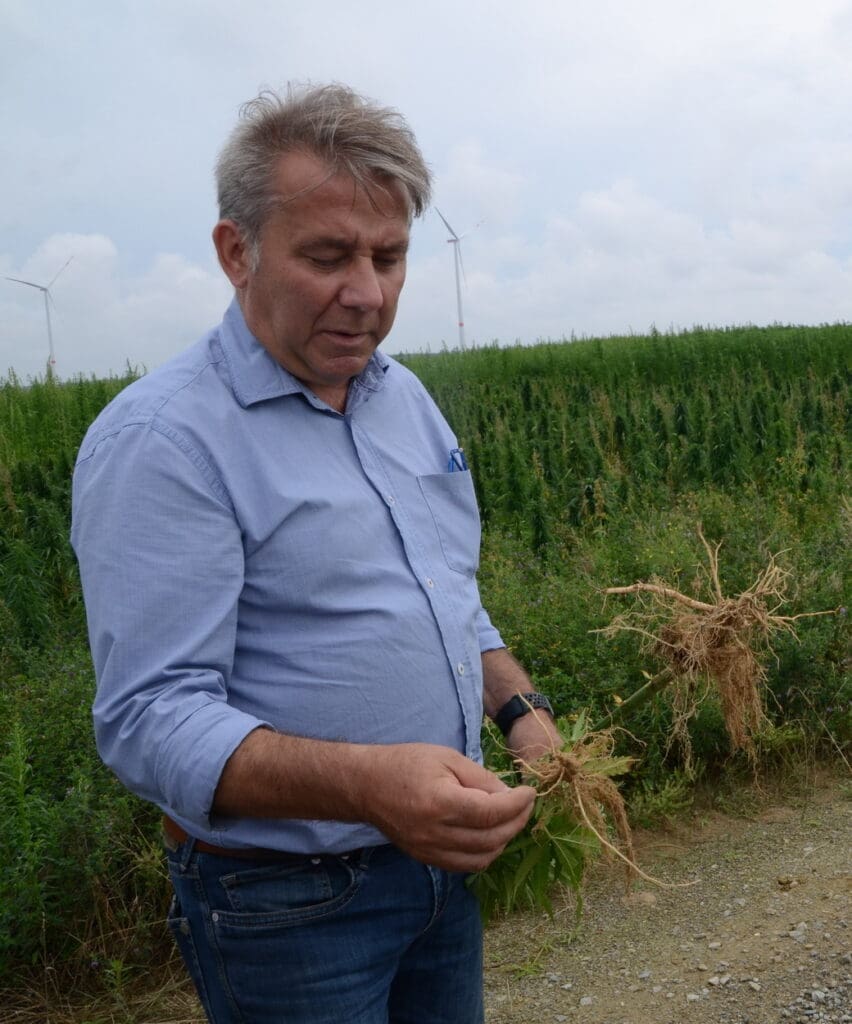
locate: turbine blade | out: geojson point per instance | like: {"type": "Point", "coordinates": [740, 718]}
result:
{"type": "Point", "coordinates": [32, 284]}
{"type": "Point", "coordinates": [461, 264]}
{"type": "Point", "coordinates": [58, 272]}
{"type": "Point", "coordinates": [446, 223]}
{"type": "Point", "coordinates": [475, 226]}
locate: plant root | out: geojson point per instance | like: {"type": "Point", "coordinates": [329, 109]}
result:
{"type": "Point", "coordinates": [716, 644]}
{"type": "Point", "coordinates": [578, 778]}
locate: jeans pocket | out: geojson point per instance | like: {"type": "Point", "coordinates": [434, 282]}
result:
{"type": "Point", "coordinates": [452, 502]}
{"type": "Point", "coordinates": [272, 895]}
{"type": "Point", "coordinates": [182, 934]}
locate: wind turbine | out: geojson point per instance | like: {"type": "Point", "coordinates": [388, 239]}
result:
{"type": "Point", "coordinates": [455, 242]}
{"type": "Point", "coordinates": [48, 298]}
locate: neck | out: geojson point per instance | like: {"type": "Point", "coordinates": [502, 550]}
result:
{"type": "Point", "coordinates": [334, 396]}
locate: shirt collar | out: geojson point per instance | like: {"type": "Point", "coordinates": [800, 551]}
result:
{"type": "Point", "coordinates": [256, 377]}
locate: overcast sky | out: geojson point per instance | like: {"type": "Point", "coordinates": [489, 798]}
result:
{"type": "Point", "coordinates": [666, 163]}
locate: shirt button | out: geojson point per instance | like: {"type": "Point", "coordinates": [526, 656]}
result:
{"type": "Point", "coordinates": [430, 582]}
{"type": "Point", "coordinates": [460, 668]}
{"type": "Point", "coordinates": [389, 498]}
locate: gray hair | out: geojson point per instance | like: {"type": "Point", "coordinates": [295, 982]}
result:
{"type": "Point", "coordinates": [347, 131]}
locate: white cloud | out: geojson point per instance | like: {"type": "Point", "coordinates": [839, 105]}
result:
{"type": "Point", "coordinates": [103, 317]}
{"type": "Point", "coordinates": [621, 260]}
{"type": "Point", "coordinates": [473, 187]}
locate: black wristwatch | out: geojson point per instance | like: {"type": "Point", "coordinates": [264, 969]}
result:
{"type": "Point", "coordinates": [520, 705]}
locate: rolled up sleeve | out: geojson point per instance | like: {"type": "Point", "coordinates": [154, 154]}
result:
{"type": "Point", "coordinates": [161, 562]}
{"type": "Point", "coordinates": [489, 637]}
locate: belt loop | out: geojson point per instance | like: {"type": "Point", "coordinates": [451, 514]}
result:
{"type": "Point", "coordinates": [186, 851]}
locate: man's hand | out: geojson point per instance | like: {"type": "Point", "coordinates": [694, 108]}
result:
{"type": "Point", "coordinates": [442, 808]}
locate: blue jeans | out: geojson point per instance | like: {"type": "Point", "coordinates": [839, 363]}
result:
{"type": "Point", "coordinates": [372, 937]}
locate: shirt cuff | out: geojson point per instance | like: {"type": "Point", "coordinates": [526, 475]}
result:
{"type": "Point", "coordinates": [192, 760]}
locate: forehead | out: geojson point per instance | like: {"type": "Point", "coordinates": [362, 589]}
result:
{"type": "Point", "coordinates": [312, 196]}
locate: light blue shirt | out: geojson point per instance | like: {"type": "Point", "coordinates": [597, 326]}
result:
{"type": "Point", "coordinates": [250, 556]}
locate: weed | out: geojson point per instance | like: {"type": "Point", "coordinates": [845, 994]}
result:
{"type": "Point", "coordinates": [651, 805]}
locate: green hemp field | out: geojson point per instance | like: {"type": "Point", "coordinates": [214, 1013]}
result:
{"type": "Point", "coordinates": [596, 462]}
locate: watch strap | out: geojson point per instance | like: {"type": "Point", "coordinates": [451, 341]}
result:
{"type": "Point", "coordinates": [518, 706]}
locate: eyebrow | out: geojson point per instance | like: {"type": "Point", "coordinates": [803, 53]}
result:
{"type": "Point", "coordinates": [338, 242]}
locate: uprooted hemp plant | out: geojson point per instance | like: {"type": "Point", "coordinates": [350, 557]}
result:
{"type": "Point", "coordinates": [711, 646]}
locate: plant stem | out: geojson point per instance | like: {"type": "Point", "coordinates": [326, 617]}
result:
{"type": "Point", "coordinates": [636, 700]}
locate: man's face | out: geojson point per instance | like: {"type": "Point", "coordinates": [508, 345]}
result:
{"type": "Point", "coordinates": [331, 269]}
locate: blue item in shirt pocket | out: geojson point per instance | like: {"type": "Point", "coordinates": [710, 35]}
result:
{"type": "Point", "coordinates": [452, 502]}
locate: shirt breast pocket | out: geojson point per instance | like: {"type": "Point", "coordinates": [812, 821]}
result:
{"type": "Point", "coordinates": [452, 502]}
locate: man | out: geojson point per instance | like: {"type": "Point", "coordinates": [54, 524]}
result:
{"type": "Point", "coordinates": [278, 542]}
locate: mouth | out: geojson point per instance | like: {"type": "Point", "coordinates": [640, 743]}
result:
{"type": "Point", "coordinates": [349, 339]}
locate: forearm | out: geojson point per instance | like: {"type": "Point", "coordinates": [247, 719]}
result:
{"type": "Point", "coordinates": [502, 677]}
{"type": "Point", "coordinates": [533, 734]}
{"type": "Point", "coordinates": [271, 775]}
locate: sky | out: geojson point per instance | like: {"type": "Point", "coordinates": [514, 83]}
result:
{"type": "Point", "coordinates": [619, 165]}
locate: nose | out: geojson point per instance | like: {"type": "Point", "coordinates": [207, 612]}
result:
{"type": "Point", "coordinates": [362, 288]}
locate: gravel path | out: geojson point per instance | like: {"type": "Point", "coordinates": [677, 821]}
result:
{"type": "Point", "coordinates": [762, 936]}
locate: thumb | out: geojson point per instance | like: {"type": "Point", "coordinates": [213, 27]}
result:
{"type": "Point", "coordinates": [473, 776]}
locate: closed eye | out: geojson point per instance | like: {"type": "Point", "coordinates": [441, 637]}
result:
{"type": "Point", "coordinates": [327, 262]}
{"type": "Point", "coordinates": [389, 262]}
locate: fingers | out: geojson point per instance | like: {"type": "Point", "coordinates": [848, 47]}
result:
{"type": "Point", "coordinates": [478, 810]}
{"type": "Point", "coordinates": [473, 776]}
{"type": "Point", "coordinates": [455, 814]}
{"type": "Point", "coordinates": [481, 830]}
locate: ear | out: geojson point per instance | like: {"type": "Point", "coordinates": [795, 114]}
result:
{"type": "Point", "coordinates": [233, 252]}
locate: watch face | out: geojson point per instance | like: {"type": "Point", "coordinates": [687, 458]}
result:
{"type": "Point", "coordinates": [538, 700]}
{"type": "Point", "coordinates": [518, 706]}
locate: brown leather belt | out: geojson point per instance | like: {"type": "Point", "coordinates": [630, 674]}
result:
{"type": "Point", "coordinates": [173, 831]}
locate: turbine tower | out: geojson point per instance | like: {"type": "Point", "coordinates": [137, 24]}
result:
{"type": "Point", "coordinates": [455, 242]}
{"type": "Point", "coordinates": [48, 298]}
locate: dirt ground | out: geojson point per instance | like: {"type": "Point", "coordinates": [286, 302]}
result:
{"type": "Point", "coordinates": [762, 935]}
